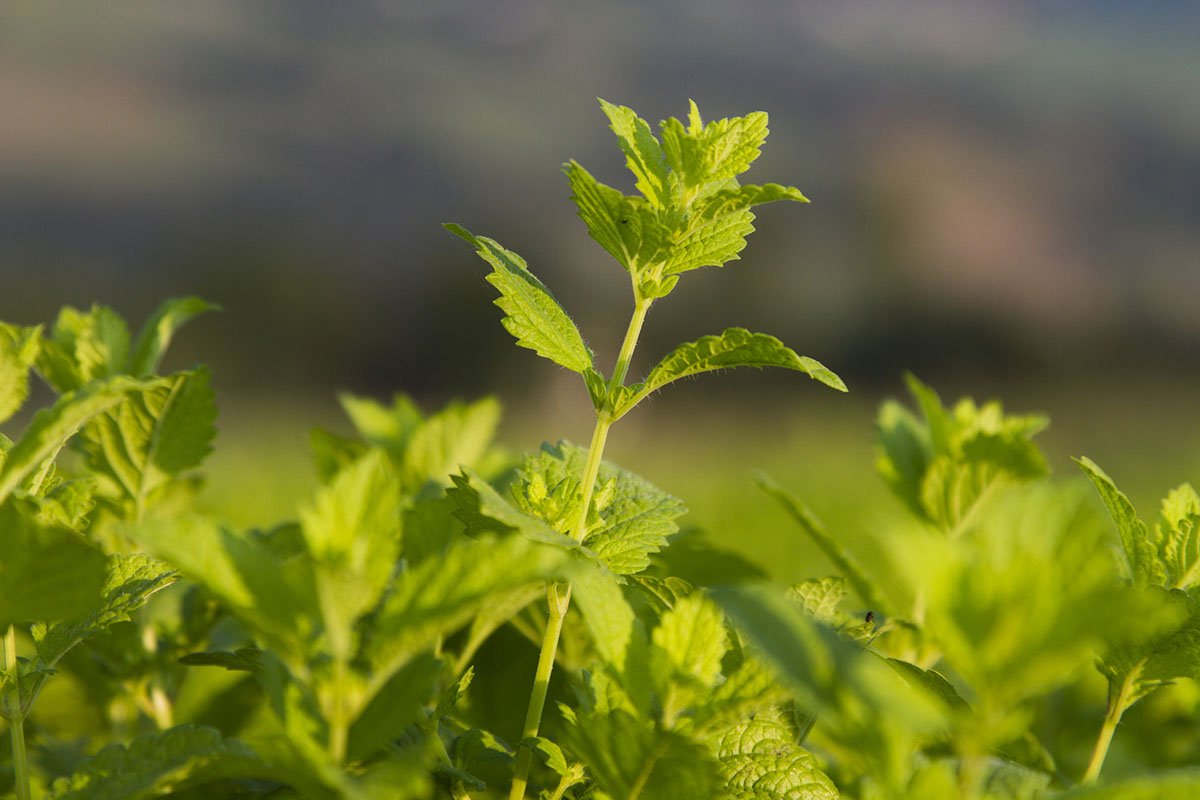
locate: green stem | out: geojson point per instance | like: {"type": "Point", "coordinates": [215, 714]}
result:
{"type": "Point", "coordinates": [558, 595]}
{"type": "Point", "coordinates": [558, 598]}
{"type": "Point", "coordinates": [1118, 701]}
{"type": "Point", "coordinates": [16, 718]}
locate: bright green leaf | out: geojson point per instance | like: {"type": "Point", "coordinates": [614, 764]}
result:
{"type": "Point", "coordinates": [531, 314]}
{"type": "Point", "coordinates": [630, 518]}
{"type": "Point", "coordinates": [735, 347]}
{"type": "Point", "coordinates": [460, 434]}
{"type": "Point", "coordinates": [47, 573]}
{"type": "Point", "coordinates": [131, 580]}
{"type": "Point", "coordinates": [154, 435]}
{"type": "Point", "coordinates": [19, 348]}
{"type": "Point", "coordinates": [84, 347]}
{"type": "Point", "coordinates": [1139, 548]}
{"type": "Point", "coordinates": [760, 760]}
{"type": "Point", "coordinates": [643, 154]}
{"type": "Point", "coordinates": [629, 758]}
{"type": "Point", "coordinates": [159, 763]}
{"type": "Point", "coordinates": [51, 428]}
{"type": "Point", "coordinates": [820, 597]}
{"type": "Point", "coordinates": [353, 535]}
{"type": "Point", "coordinates": [157, 332]}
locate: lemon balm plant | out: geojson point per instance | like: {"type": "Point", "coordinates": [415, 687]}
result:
{"type": "Point", "coordinates": [690, 211]}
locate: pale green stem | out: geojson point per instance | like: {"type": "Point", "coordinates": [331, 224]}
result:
{"type": "Point", "coordinates": [558, 598]}
{"type": "Point", "coordinates": [16, 720]}
{"type": "Point", "coordinates": [1118, 701]}
{"type": "Point", "coordinates": [558, 595]}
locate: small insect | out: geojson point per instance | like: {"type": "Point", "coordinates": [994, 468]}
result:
{"type": "Point", "coordinates": [870, 618]}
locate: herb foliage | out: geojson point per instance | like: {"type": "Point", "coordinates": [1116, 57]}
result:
{"type": "Point", "coordinates": [367, 648]}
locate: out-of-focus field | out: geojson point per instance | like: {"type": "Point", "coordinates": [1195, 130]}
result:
{"type": "Point", "coordinates": [821, 447]}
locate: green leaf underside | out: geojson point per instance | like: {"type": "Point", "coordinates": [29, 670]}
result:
{"type": "Point", "coordinates": [438, 596]}
{"type": "Point", "coordinates": [156, 333]}
{"type": "Point", "coordinates": [532, 315]}
{"type": "Point", "coordinates": [761, 761]}
{"type": "Point", "coordinates": [276, 599]}
{"type": "Point", "coordinates": [630, 521]}
{"type": "Point", "coordinates": [153, 435]}
{"type": "Point", "coordinates": [734, 347]}
{"type": "Point", "coordinates": [1141, 564]}
{"type": "Point", "coordinates": [353, 535]}
{"type": "Point", "coordinates": [19, 348]}
{"type": "Point", "coordinates": [84, 347]}
{"type": "Point", "coordinates": [131, 580]}
{"type": "Point", "coordinates": [1165, 645]}
{"type": "Point", "coordinates": [50, 428]}
{"type": "Point", "coordinates": [643, 154]}
{"type": "Point", "coordinates": [47, 573]}
{"type": "Point", "coordinates": [630, 759]}
{"type": "Point", "coordinates": [820, 597]}
{"type": "Point", "coordinates": [157, 764]}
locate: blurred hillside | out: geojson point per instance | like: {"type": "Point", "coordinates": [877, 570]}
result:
{"type": "Point", "coordinates": [1005, 188]}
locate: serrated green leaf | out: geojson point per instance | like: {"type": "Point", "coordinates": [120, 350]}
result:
{"type": "Point", "coordinates": [47, 573]}
{"type": "Point", "coordinates": [159, 763]}
{"type": "Point", "coordinates": [397, 704]}
{"type": "Point", "coordinates": [276, 599]}
{"type": "Point", "coordinates": [483, 510]}
{"type": "Point", "coordinates": [820, 597]}
{"type": "Point", "coordinates": [1157, 644]}
{"type": "Point", "coordinates": [643, 154]}
{"type": "Point", "coordinates": [389, 428]}
{"type": "Point", "coordinates": [51, 427]}
{"type": "Point", "coordinates": [436, 597]}
{"type": "Point", "coordinates": [629, 758]}
{"type": "Point", "coordinates": [551, 754]}
{"type": "Point", "coordinates": [1140, 561]}
{"type": "Point", "coordinates": [932, 682]}
{"type": "Point", "coordinates": [734, 347]}
{"type": "Point", "coordinates": [483, 756]}
{"type": "Point", "coordinates": [609, 618]}
{"type": "Point", "coordinates": [153, 435]}
{"type": "Point", "coordinates": [712, 243]}
{"type": "Point", "coordinates": [531, 314]}
{"type": "Point", "coordinates": [761, 761]}
{"type": "Point", "coordinates": [627, 227]}
{"type": "Point", "coordinates": [946, 466]}
{"type": "Point", "coordinates": [826, 673]}
{"type": "Point", "coordinates": [1179, 537]}
{"type": "Point", "coordinates": [839, 556]}
{"type": "Point", "coordinates": [353, 535]}
{"type": "Point", "coordinates": [460, 434]}
{"type": "Point", "coordinates": [691, 636]}
{"type": "Point", "coordinates": [332, 453]}
{"type": "Point", "coordinates": [630, 519]}
{"type": "Point", "coordinates": [131, 579]}
{"type": "Point", "coordinates": [84, 347]}
{"type": "Point", "coordinates": [158, 330]}
{"type": "Point", "coordinates": [19, 348]}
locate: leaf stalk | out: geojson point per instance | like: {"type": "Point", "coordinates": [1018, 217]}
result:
{"type": "Point", "coordinates": [16, 717]}
{"type": "Point", "coordinates": [1118, 701]}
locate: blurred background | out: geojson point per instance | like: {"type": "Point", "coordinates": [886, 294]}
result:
{"type": "Point", "coordinates": [1006, 200]}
